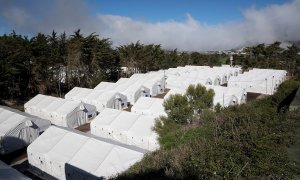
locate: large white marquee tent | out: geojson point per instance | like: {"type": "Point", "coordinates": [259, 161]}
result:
{"type": "Point", "coordinates": [99, 98]}
{"type": "Point", "coordinates": [126, 127]}
{"type": "Point", "coordinates": [68, 154]}
{"type": "Point", "coordinates": [60, 111]}
{"type": "Point", "coordinates": [18, 130]}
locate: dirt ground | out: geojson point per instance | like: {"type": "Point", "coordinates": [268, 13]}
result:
{"type": "Point", "coordinates": [161, 96]}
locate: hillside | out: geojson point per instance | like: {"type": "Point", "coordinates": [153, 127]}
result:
{"type": "Point", "coordinates": [249, 140]}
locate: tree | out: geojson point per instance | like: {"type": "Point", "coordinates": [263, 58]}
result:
{"type": "Point", "coordinates": [178, 109]}
{"type": "Point", "coordinates": [199, 98]}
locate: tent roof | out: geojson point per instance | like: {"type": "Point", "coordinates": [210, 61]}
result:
{"type": "Point", "coordinates": [63, 106]}
{"type": "Point", "coordinates": [149, 106]}
{"type": "Point", "coordinates": [139, 125]}
{"type": "Point", "coordinates": [85, 152]}
{"type": "Point", "coordinates": [105, 85]}
{"type": "Point", "coordinates": [10, 118]}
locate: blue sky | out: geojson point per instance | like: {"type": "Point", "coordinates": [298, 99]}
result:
{"type": "Point", "coordinates": [211, 12]}
{"type": "Point", "coordinates": [188, 25]}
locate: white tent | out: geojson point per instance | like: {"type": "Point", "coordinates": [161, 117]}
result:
{"type": "Point", "coordinates": [18, 130]}
{"type": "Point", "coordinates": [133, 91]}
{"type": "Point", "coordinates": [99, 98]}
{"type": "Point", "coordinates": [125, 127]}
{"type": "Point", "coordinates": [60, 111]}
{"type": "Point", "coordinates": [69, 154]}
{"type": "Point", "coordinates": [155, 82]}
{"type": "Point", "coordinates": [228, 96]}
{"type": "Point", "coordinates": [9, 173]}
{"type": "Point", "coordinates": [149, 106]}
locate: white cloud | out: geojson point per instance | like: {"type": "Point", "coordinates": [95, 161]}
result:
{"type": "Point", "coordinates": [275, 22]}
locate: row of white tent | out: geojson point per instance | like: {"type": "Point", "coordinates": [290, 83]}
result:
{"type": "Point", "coordinates": [184, 76]}
{"type": "Point", "coordinates": [138, 85]}
{"type": "Point", "coordinates": [263, 81]}
{"type": "Point", "coordinates": [60, 111]}
{"type": "Point", "coordinates": [18, 129]}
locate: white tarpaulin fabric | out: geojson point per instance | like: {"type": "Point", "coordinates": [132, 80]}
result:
{"type": "Point", "coordinates": [149, 106]}
{"type": "Point", "coordinates": [125, 127]}
{"type": "Point", "coordinates": [16, 130]}
{"type": "Point", "coordinates": [99, 98]}
{"type": "Point", "coordinates": [69, 154]}
{"type": "Point", "coordinates": [8, 173]}
{"type": "Point", "coordinates": [60, 111]}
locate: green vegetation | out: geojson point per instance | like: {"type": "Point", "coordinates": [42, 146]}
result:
{"type": "Point", "coordinates": [246, 141]}
{"type": "Point", "coordinates": [271, 56]}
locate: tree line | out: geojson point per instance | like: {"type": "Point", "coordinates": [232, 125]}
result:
{"type": "Point", "coordinates": [270, 56]}
{"type": "Point", "coordinates": [53, 64]}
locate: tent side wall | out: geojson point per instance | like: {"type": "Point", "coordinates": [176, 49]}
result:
{"type": "Point", "coordinates": [18, 138]}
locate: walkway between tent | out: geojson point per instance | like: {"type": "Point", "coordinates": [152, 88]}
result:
{"type": "Point", "coordinates": [84, 128]}
{"type": "Point", "coordinates": [161, 96]}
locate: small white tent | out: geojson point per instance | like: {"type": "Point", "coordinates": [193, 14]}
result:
{"type": "Point", "coordinates": [126, 127]}
{"type": "Point", "coordinates": [149, 106]}
{"type": "Point", "coordinates": [18, 130]}
{"type": "Point", "coordinates": [69, 154]}
{"type": "Point", "coordinates": [60, 111]}
{"type": "Point", "coordinates": [99, 98]}
{"type": "Point", "coordinates": [9, 173]}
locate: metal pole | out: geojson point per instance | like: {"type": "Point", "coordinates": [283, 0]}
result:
{"type": "Point", "coordinates": [266, 86]}
{"type": "Point", "coordinates": [272, 84]}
